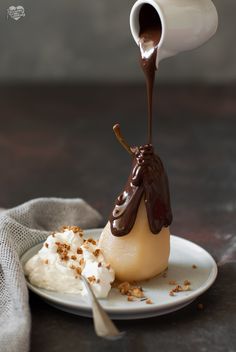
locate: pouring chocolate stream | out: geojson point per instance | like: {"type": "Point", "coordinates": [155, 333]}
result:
{"type": "Point", "coordinates": [148, 178]}
{"type": "Point", "coordinates": [149, 37]}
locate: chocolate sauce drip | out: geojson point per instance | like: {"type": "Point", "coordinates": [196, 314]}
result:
{"type": "Point", "coordinates": [148, 180]}
{"type": "Point", "coordinates": [149, 37]}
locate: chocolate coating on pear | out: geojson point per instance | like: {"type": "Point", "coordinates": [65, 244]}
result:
{"type": "Point", "coordinates": [147, 179]}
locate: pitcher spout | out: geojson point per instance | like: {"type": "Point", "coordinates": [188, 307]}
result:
{"type": "Point", "coordinates": [184, 24]}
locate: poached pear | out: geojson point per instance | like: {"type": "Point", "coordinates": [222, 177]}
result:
{"type": "Point", "coordinates": [136, 239]}
{"type": "Point", "coordinates": [139, 255]}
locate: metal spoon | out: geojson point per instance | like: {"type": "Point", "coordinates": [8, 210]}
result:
{"type": "Point", "coordinates": [103, 325]}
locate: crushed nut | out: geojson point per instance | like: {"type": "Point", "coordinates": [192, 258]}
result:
{"type": "Point", "coordinates": [78, 270]}
{"type": "Point", "coordinates": [187, 282]}
{"type": "Point", "coordinates": [178, 288]}
{"type": "Point", "coordinates": [172, 282]}
{"type": "Point", "coordinates": [91, 240]}
{"type": "Point", "coordinates": [149, 301]}
{"type": "Point", "coordinates": [81, 261]}
{"type": "Point", "coordinates": [137, 292]}
{"type": "Point", "coordinates": [75, 229]}
{"type": "Point", "coordinates": [62, 250]}
{"type": "Point", "coordinates": [96, 252]}
{"type": "Point", "coordinates": [63, 246]}
{"type": "Point", "coordinates": [99, 264]}
{"type": "Point", "coordinates": [92, 279]}
{"type": "Point", "coordinates": [130, 298]}
{"type": "Point", "coordinates": [73, 257]}
{"type": "Point", "coordinates": [46, 244]}
{"type": "Point", "coordinates": [46, 261]}
{"type": "Point", "coordinates": [127, 289]}
{"type": "Point", "coordinates": [79, 250]}
{"type": "Point", "coordinates": [124, 287]}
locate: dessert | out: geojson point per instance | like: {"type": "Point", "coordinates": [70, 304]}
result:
{"type": "Point", "coordinates": [136, 239]}
{"type": "Point", "coordinates": [64, 256]}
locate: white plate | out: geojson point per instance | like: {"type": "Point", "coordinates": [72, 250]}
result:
{"type": "Point", "coordinates": [184, 254]}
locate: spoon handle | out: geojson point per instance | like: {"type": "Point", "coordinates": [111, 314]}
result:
{"type": "Point", "coordinates": [103, 325]}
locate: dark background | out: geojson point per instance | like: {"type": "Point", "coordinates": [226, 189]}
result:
{"type": "Point", "coordinates": [90, 41]}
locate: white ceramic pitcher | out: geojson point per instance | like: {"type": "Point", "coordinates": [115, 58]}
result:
{"type": "Point", "coordinates": [186, 24]}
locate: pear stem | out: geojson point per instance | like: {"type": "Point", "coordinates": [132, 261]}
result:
{"type": "Point", "coordinates": [120, 138]}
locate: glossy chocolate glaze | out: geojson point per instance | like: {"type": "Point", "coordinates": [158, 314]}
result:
{"type": "Point", "coordinates": [148, 178]}
{"type": "Point", "coordinates": [150, 35]}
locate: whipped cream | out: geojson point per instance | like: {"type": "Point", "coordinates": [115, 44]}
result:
{"type": "Point", "coordinates": [64, 256]}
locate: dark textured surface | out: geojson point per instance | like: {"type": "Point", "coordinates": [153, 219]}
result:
{"type": "Point", "coordinates": [55, 140]}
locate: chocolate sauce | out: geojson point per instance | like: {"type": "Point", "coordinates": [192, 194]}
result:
{"type": "Point", "coordinates": [149, 37]}
{"type": "Point", "coordinates": [148, 178]}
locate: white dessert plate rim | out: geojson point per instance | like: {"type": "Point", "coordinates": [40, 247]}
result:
{"type": "Point", "coordinates": [132, 309]}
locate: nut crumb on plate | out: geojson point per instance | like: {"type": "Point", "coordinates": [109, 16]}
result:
{"type": "Point", "coordinates": [130, 298]}
{"type": "Point", "coordinates": [129, 290]}
{"type": "Point", "coordinates": [179, 288]}
{"type": "Point", "coordinates": [149, 301]}
{"type": "Point", "coordinates": [187, 282]}
{"type": "Point", "coordinates": [172, 282]}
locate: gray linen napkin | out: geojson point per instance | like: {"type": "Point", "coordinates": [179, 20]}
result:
{"type": "Point", "coordinates": [20, 229]}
